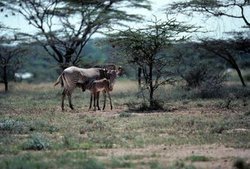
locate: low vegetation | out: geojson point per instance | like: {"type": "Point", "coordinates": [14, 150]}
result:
{"type": "Point", "coordinates": [188, 132]}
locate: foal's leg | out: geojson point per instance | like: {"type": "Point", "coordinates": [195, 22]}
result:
{"type": "Point", "coordinates": [94, 101]}
{"type": "Point", "coordinates": [104, 102]}
{"type": "Point", "coordinates": [111, 107]}
{"type": "Point", "coordinates": [91, 98]}
{"type": "Point", "coordinates": [97, 101]}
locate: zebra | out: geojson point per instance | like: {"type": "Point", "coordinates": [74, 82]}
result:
{"type": "Point", "coordinates": [105, 85]}
{"type": "Point", "coordinates": [73, 77]}
{"type": "Point", "coordinates": [95, 88]}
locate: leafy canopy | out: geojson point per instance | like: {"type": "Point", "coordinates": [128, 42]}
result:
{"type": "Point", "coordinates": [65, 26]}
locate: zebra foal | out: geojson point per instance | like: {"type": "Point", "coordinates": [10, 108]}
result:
{"type": "Point", "coordinates": [95, 88]}
{"type": "Point", "coordinates": [104, 85]}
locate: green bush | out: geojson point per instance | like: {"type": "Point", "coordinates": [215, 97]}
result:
{"type": "Point", "coordinates": [120, 163]}
{"type": "Point", "coordinates": [36, 142]}
{"type": "Point", "coordinates": [155, 165]}
{"type": "Point", "coordinates": [180, 165]}
{"type": "Point", "coordinates": [197, 158]}
{"type": "Point", "coordinates": [247, 77]}
{"type": "Point", "coordinates": [23, 161]}
{"type": "Point", "coordinates": [40, 125]}
{"type": "Point", "coordinates": [92, 164]}
{"type": "Point", "coordinates": [92, 125]}
{"type": "Point", "coordinates": [125, 114]}
{"type": "Point", "coordinates": [70, 141]}
{"type": "Point", "coordinates": [13, 126]}
{"type": "Point", "coordinates": [145, 106]}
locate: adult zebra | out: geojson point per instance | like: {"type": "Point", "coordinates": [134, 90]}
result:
{"type": "Point", "coordinates": [73, 77]}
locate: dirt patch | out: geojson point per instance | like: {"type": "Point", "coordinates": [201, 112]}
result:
{"type": "Point", "coordinates": [219, 156]}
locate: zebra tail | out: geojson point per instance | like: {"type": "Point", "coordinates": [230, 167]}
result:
{"type": "Point", "coordinates": [59, 80]}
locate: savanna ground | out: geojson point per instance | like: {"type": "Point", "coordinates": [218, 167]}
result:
{"type": "Point", "coordinates": [189, 132]}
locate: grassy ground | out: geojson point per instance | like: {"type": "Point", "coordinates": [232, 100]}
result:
{"type": "Point", "coordinates": [189, 133]}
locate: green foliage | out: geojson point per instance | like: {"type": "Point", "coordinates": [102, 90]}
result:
{"type": "Point", "coordinates": [155, 165]}
{"type": "Point", "coordinates": [92, 164]}
{"type": "Point", "coordinates": [125, 114]}
{"type": "Point", "coordinates": [247, 77]}
{"type": "Point", "coordinates": [181, 165]}
{"type": "Point", "coordinates": [146, 48]}
{"type": "Point", "coordinates": [37, 142]}
{"type": "Point", "coordinates": [26, 161]}
{"type": "Point", "coordinates": [210, 8]}
{"type": "Point", "coordinates": [39, 125]}
{"type": "Point", "coordinates": [146, 107]}
{"type": "Point", "coordinates": [247, 113]}
{"type": "Point", "coordinates": [9, 60]}
{"type": "Point", "coordinates": [103, 140]}
{"type": "Point", "coordinates": [93, 124]}
{"type": "Point", "coordinates": [198, 158]}
{"type": "Point", "coordinates": [13, 126]}
{"type": "Point", "coordinates": [93, 54]}
{"type": "Point", "coordinates": [24, 126]}
{"type": "Point", "coordinates": [66, 47]}
{"type": "Point", "coordinates": [200, 70]}
{"type": "Point", "coordinates": [70, 142]}
{"type": "Point", "coordinates": [120, 163]}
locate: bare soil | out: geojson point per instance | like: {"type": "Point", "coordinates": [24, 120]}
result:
{"type": "Point", "coordinates": [220, 156]}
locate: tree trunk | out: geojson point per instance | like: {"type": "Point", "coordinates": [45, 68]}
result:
{"type": "Point", "coordinates": [139, 76]}
{"type": "Point", "coordinates": [151, 89]}
{"type": "Point", "coordinates": [240, 76]}
{"type": "Point", "coordinates": [5, 78]}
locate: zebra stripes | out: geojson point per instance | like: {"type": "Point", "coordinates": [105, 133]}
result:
{"type": "Point", "coordinates": [103, 85]}
{"type": "Point", "coordinates": [73, 77]}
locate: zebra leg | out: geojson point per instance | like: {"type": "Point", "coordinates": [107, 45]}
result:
{"type": "Point", "coordinates": [90, 103]}
{"type": "Point", "coordinates": [94, 101]}
{"type": "Point", "coordinates": [63, 97]}
{"type": "Point", "coordinates": [104, 102]}
{"type": "Point", "coordinates": [97, 101]}
{"type": "Point", "coordinates": [111, 107]}
{"type": "Point", "coordinates": [70, 101]}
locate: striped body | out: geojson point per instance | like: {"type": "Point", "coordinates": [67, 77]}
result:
{"type": "Point", "coordinates": [73, 77]}
{"type": "Point", "coordinates": [104, 85]}
{"type": "Point", "coordinates": [97, 86]}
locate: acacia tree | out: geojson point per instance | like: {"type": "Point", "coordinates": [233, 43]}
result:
{"type": "Point", "coordinates": [9, 62]}
{"type": "Point", "coordinates": [65, 26]}
{"type": "Point", "coordinates": [230, 8]}
{"type": "Point", "coordinates": [227, 50]}
{"type": "Point", "coordinates": [147, 49]}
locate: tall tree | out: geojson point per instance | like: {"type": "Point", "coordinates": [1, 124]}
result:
{"type": "Point", "coordinates": [229, 8]}
{"type": "Point", "coordinates": [227, 50]}
{"type": "Point", "coordinates": [65, 26]}
{"type": "Point", "coordinates": [147, 49]}
{"type": "Point", "coordinates": [237, 9]}
{"type": "Point", "coordinates": [9, 62]}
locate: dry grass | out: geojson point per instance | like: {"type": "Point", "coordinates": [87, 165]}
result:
{"type": "Point", "coordinates": [36, 134]}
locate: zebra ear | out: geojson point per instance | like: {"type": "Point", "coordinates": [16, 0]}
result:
{"type": "Point", "coordinates": [120, 71]}
{"type": "Point", "coordinates": [105, 73]}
